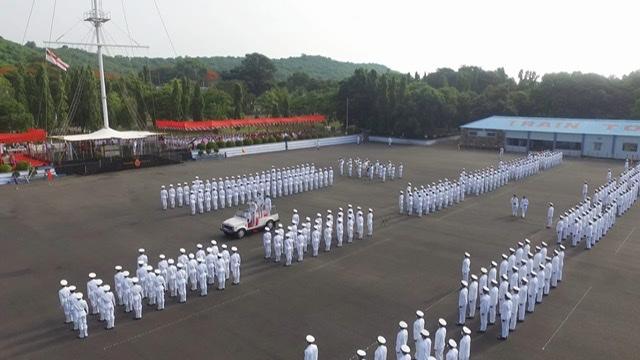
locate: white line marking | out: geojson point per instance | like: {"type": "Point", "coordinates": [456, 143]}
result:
{"type": "Point", "coordinates": [145, 333]}
{"type": "Point", "coordinates": [566, 318]}
{"type": "Point", "coordinates": [625, 240]}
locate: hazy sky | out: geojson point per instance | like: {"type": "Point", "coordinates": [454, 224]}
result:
{"type": "Point", "coordinates": [408, 36]}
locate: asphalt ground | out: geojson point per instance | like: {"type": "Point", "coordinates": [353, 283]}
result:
{"type": "Point", "coordinates": [345, 298]}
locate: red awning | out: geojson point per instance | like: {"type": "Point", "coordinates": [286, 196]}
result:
{"type": "Point", "coordinates": [31, 135]}
{"type": "Point", "coordinates": [218, 124]}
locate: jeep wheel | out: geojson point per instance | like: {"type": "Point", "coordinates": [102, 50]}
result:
{"type": "Point", "coordinates": [240, 234]}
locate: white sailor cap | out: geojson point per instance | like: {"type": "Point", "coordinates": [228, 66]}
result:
{"type": "Point", "coordinates": [267, 229]}
{"type": "Point", "coordinates": [171, 261]}
{"type": "Point", "coordinates": [140, 263]}
{"type": "Point", "coordinates": [523, 261]}
{"type": "Point", "coordinates": [544, 244]}
{"type": "Point", "coordinates": [483, 270]}
{"type": "Point", "coordinates": [466, 330]}
{"type": "Point", "coordinates": [512, 250]}
{"type": "Point", "coordinates": [157, 271]}
{"type": "Point", "coordinates": [508, 296]}
{"type": "Point", "coordinates": [504, 277]}
{"type": "Point", "coordinates": [72, 288]}
{"type": "Point", "coordinates": [520, 244]}
{"type": "Point", "coordinates": [467, 255]}
{"type": "Point", "coordinates": [504, 256]}
{"type": "Point", "coordinates": [541, 266]}
{"type": "Point", "coordinates": [493, 264]}
{"type": "Point", "coordinates": [405, 349]}
{"type": "Point", "coordinates": [63, 282]}
{"type": "Point", "coordinates": [141, 251]}
{"type": "Point", "coordinates": [182, 250]}
{"type": "Point", "coordinates": [485, 289]}
{"type": "Point", "coordinates": [474, 277]}
{"type": "Point", "coordinates": [78, 295]}
{"type": "Point", "coordinates": [199, 246]}
{"type": "Point", "coordinates": [464, 283]}
{"type": "Point", "coordinates": [538, 248]}
{"type": "Point", "coordinates": [419, 313]}
{"type": "Point", "coordinates": [106, 287]}
{"type": "Point", "coordinates": [224, 246]}
{"type": "Point", "coordinates": [307, 218]}
{"type": "Point", "coordinates": [310, 339]}
{"type": "Point", "coordinates": [280, 226]}
{"type": "Point", "coordinates": [547, 258]}
{"type": "Point", "coordinates": [234, 249]}
{"type": "Point", "coordinates": [381, 340]}
{"type": "Point", "coordinates": [180, 266]}
{"type": "Point", "coordinates": [125, 273]}
{"type": "Point", "coordinates": [361, 353]}
{"type": "Point", "coordinates": [295, 211]}
{"type": "Point", "coordinates": [533, 273]}
{"type": "Point", "coordinates": [162, 256]}
{"type": "Point", "coordinates": [98, 282]}
{"type": "Point", "coordinates": [149, 268]}
{"type": "Point", "coordinates": [514, 268]}
{"type": "Point", "coordinates": [319, 215]}
{"type": "Point", "coordinates": [402, 324]}
{"type": "Point", "coordinates": [200, 259]}
{"type": "Point", "coordinates": [562, 247]}
{"type": "Point", "coordinates": [442, 322]}
{"type": "Point", "coordinates": [192, 256]}
{"type": "Point", "coordinates": [494, 282]}
{"type": "Point", "coordinates": [162, 187]}
{"type": "Point", "coordinates": [516, 289]}
{"type": "Point", "coordinates": [452, 343]}
{"type": "Point", "coordinates": [525, 281]}
{"type": "Point", "coordinates": [92, 275]}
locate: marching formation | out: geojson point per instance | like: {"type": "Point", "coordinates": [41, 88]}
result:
{"type": "Point", "coordinates": [372, 170]}
{"type": "Point", "coordinates": [591, 219]}
{"type": "Point", "coordinates": [211, 195]}
{"type": "Point", "coordinates": [196, 272]}
{"type": "Point", "coordinates": [511, 289]}
{"type": "Point", "coordinates": [300, 234]}
{"type": "Point", "coordinates": [447, 192]}
{"type": "Point", "coordinates": [424, 348]}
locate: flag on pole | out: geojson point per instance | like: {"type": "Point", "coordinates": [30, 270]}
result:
{"type": "Point", "coordinates": [55, 60]}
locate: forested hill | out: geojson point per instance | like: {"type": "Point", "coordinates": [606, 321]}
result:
{"type": "Point", "coordinates": [318, 67]}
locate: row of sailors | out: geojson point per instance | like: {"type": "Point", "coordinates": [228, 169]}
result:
{"type": "Point", "coordinates": [433, 198]}
{"type": "Point", "coordinates": [592, 221]}
{"type": "Point", "coordinates": [523, 283]}
{"type": "Point", "coordinates": [207, 196]}
{"type": "Point", "coordinates": [373, 170]}
{"type": "Point", "coordinates": [532, 164]}
{"type": "Point", "coordinates": [421, 341]}
{"type": "Point", "coordinates": [299, 235]}
{"type": "Point", "coordinates": [130, 291]}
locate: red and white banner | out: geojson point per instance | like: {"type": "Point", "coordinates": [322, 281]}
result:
{"type": "Point", "coordinates": [55, 60]}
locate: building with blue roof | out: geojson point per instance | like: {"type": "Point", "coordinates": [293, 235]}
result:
{"type": "Point", "coordinates": [602, 138]}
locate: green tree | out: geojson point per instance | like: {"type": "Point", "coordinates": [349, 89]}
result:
{"type": "Point", "coordinates": [217, 104]}
{"type": "Point", "coordinates": [238, 101]}
{"type": "Point", "coordinates": [185, 105]}
{"type": "Point", "coordinates": [257, 71]}
{"type": "Point", "coordinates": [176, 100]}
{"type": "Point", "coordinates": [13, 115]}
{"type": "Point", "coordinates": [45, 107]}
{"type": "Point", "coordinates": [197, 103]}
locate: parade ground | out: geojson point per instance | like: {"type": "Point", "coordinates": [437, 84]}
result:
{"type": "Point", "coordinates": [344, 298]}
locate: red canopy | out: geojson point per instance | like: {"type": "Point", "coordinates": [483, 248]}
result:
{"type": "Point", "coordinates": [31, 135]}
{"type": "Point", "coordinates": [217, 124]}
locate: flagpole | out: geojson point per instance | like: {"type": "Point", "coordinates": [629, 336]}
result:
{"type": "Point", "coordinates": [98, 17]}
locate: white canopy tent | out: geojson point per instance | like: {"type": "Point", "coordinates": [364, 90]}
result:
{"type": "Point", "coordinates": [106, 134]}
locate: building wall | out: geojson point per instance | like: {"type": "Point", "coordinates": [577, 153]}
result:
{"type": "Point", "coordinates": [599, 146]}
{"type": "Point", "coordinates": [483, 139]}
{"type": "Point", "coordinates": [624, 145]}
{"type": "Point", "coordinates": [511, 137]}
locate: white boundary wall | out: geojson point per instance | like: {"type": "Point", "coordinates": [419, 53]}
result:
{"type": "Point", "coordinates": [280, 146]}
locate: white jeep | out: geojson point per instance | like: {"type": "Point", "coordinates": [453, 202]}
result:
{"type": "Point", "coordinates": [254, 217]}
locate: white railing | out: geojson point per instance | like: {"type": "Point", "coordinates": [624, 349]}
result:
{"type": "Point", "coordinates": [280, 146]}
{"type": "Point", "coordinates": [401, 141]}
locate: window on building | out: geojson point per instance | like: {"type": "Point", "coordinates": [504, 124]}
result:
{"type": "Point", "coordinates": [473, 133]}
{"type": "Point", "coordinates": [491, 134]}
{"type": "Point", "coordinates": [517, 142]}
{"type": "Point", "coordinates": [597, 146]}
{"type": "Point", "coordinates": [630, 147]}
{"type": "Point", "coordinates": [568, 145]}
